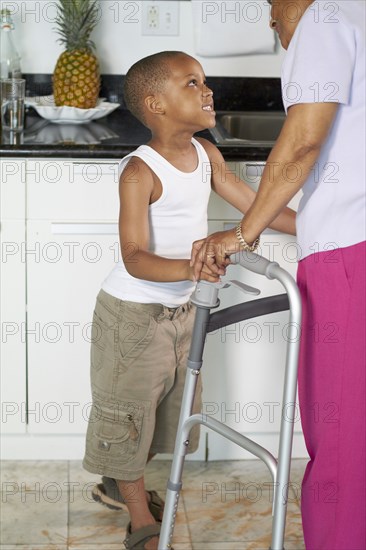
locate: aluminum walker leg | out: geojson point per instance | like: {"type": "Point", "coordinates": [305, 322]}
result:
{"type": "Point", "coordinates": [175, 480]}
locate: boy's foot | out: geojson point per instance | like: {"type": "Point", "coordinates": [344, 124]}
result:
{"type": "Point", "coordinates": [107, 493]}
{"type": "Point", "coordinates": [145, 538]}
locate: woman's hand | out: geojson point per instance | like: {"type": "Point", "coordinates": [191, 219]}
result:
{"type": "Point", "coordinates": [211, 255]}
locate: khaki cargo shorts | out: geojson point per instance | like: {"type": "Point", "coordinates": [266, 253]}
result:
{"type": "Point", "coordinates": [138, 368]}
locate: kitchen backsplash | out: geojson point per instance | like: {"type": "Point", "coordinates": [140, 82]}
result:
{"type": "Point", "coordinates": [230, 93]}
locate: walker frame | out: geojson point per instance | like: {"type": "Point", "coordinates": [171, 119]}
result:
{"type": "Point", "coordinates": [205, 298]}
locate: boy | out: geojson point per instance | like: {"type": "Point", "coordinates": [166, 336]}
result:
{"type": "Point", "coordinates": [143, 318]}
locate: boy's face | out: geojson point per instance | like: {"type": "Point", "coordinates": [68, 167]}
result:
{"type": "Point", "coordinates": [186, 98]}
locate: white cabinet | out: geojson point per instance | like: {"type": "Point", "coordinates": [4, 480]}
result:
{"type": "Point", "coordinates": [59, 240]}
{"type": "Point", "coordinates": [72, 241]}
{"type": "Point", "coordinates": [12, 297]}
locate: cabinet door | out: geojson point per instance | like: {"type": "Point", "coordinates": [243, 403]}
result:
{"type": "Point", "coordinates": [66, 266]}
{"type": "Point", "coordinates": [72, 244]}
{"type": "Point", "coordinates": [13, 327]}
{"type": "Point", "coordinates": [12, 297]}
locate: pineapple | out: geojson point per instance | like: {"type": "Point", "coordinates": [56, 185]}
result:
{"type": "Point", "coordinates": [76, 78]}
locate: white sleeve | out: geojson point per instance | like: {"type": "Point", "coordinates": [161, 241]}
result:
{"type": "Point", "coordinates": [320, 60]}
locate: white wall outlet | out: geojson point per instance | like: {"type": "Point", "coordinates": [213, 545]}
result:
{"type": "Point", "coordinates": [160, 18]}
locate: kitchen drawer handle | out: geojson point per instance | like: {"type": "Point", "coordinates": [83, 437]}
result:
{"type": "Point", "coordinates": [84, 228]}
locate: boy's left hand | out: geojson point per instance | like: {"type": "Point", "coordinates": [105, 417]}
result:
{"type": "Point", "coordinates": [207, 275]}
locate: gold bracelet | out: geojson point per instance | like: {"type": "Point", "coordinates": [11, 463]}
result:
{"type": "Point", "coordinates": [244, 244]}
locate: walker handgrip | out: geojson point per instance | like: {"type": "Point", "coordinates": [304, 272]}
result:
{"type": "Point", "coordinates": [253, 262]}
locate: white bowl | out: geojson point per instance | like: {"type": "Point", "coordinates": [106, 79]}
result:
{"type": "Point", "coordinates": [46, 108]}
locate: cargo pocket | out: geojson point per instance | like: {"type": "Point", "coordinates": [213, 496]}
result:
{"type": "Point", "coordinates": [104, 328]}
{"type": "Point", "coordinates": [117, 429]}
{"type": "Point", "coordinates": [104, 338]}
{"type": "Point", "coordinates": [135, 334]}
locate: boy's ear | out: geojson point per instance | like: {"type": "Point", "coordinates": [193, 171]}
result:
{"type": "Point", "coordinates": [154, 105]}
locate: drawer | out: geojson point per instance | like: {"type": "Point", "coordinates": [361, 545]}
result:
{"type": "Point", "coordinates": [72, 190]}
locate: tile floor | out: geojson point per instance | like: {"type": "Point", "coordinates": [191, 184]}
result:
{"type": "Point", "coordinates": [223, 506]}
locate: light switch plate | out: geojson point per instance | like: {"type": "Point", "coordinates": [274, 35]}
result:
{"type": "Point", "coordinates": [160, 18]}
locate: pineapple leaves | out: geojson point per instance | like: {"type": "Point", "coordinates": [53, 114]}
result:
{"type": "Point", "coordinates": [75, 22]}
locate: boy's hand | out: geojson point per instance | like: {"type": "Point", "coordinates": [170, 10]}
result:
{"type": "Point", "coordinates": [205, 274]}
{"type": "Point", "coordinates": [211, 255]}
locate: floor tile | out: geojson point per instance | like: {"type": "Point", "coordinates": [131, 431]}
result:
{"type": "Point", "coordinates": [223, 517]}
{"type": "Point", "coordinates": [78, 475]}
{"type": "Point", "coordinates": [231, 515]}
{"type": "Point", "coordinates": [224, 505]}
{"type": "Point", "coordinates": [240, 546]}
{"type": "Point", "coordinates": [34, 518]}
{"type": "Point", "coordinates": [91, 523]}
{"type": "Point", "coordinates": [217, 546]}
{"type": "Point", "coordinates": [99, 546]}
{"type": "Point", "coordinates": [27, 473]}
{"type": "Point", "coordinates": [34, 547]}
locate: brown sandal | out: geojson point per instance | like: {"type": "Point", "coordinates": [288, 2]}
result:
{"type": "Point", "coordinates": [156, 505]}
{"type": "Point", "coordinates": [137, 539]}
{"type": "Point", "coordinates": [107, 493]}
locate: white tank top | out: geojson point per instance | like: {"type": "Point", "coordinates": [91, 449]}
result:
{"type": "Point", "coordinates": [176, 219]}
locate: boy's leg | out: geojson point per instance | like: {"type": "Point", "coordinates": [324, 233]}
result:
{"type": "Point", "coordinates": [108, 494]}
{"type": "Point", "coordinates": [180, 325]}
{"type": "Point", "coordinates": [332, 398]}
{"type": "Point", "coordinates": [128, 382]}
{"type": "Point", "coordinates": [134, 495]}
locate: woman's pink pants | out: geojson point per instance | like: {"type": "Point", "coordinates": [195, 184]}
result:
{"type": "Point", "coordinates": [332, 398]}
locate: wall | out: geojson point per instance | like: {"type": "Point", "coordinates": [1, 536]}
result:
{"type": "Point", "coordinates": [119, 41]}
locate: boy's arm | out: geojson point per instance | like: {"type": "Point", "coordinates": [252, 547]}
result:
{"type": "Point", "coordinates": [238, 193]}
{"type": "Point", "coordinates": [136, 190]}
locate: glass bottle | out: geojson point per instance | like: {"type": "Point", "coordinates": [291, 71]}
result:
{"type": "Point", "coordinates": [9, 57]}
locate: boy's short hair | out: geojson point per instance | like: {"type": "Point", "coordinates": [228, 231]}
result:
{"type": "Point", "coordinates": [146, 77]}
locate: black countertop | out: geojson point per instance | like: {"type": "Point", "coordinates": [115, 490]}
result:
{"type": "Point", "coordinates": [120, 133]}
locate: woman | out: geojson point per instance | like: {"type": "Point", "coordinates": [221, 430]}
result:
{"type": "Point", "coordinates": [321, 150]}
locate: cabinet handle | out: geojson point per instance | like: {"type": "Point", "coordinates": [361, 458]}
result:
{"type": "Point", "coordinates": [84, 228]}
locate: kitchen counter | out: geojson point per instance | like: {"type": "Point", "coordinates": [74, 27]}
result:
{"type": "Point", "coordinates": [112, 137]}
{"type": "Point", "coordinates": [120, 133]}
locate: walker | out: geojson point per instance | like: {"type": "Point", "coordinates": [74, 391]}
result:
{"type": "Point", "coordinates": [205, 297]}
